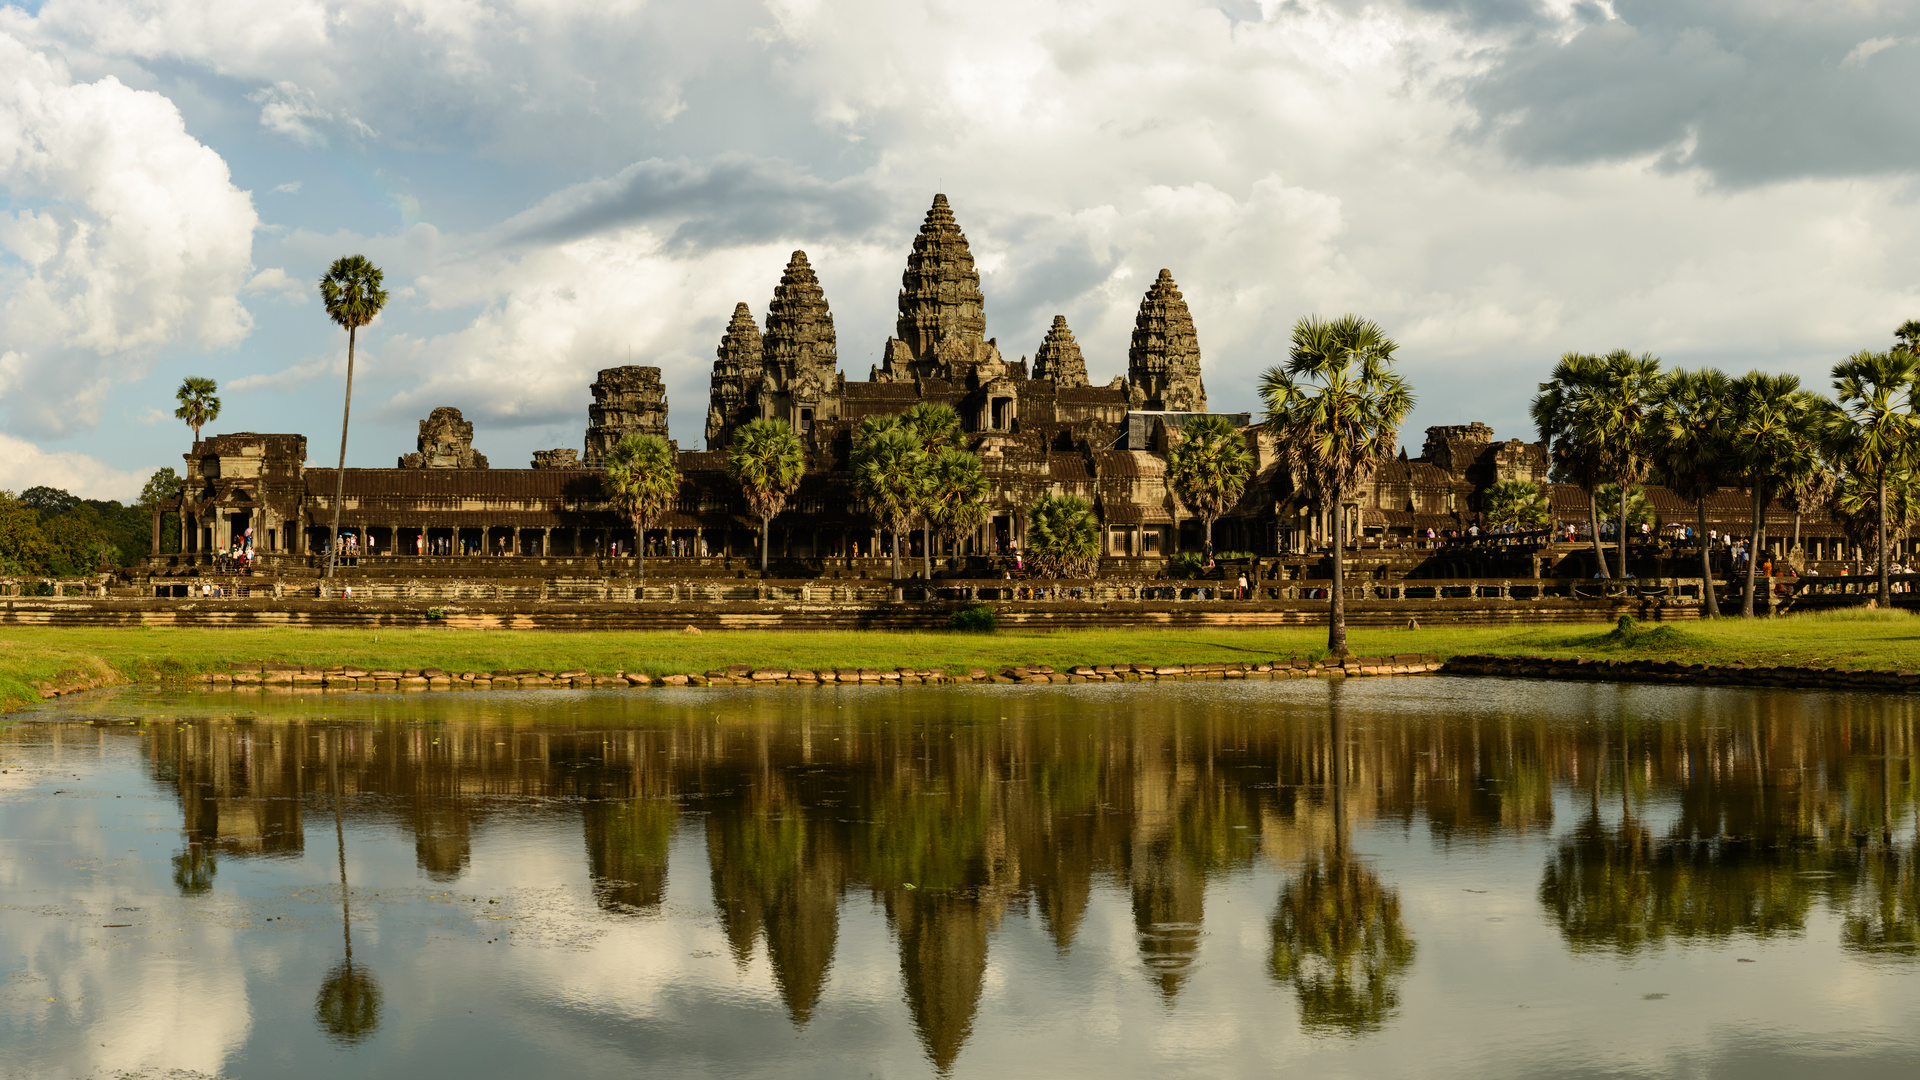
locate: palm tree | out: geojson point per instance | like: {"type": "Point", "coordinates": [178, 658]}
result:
{"type": "Point", "coordinates": [767, 461]}
{"type": "Point", "coordinates": [348, 1005]}
{"type": "Point", "coordinates": [1209, 468]}
{"type": "Point", "coordinates": [1515, 504]}
{"type": "Point", "coordinates": [1638, 510]}
{"type": "Point", "coordinates": [936, 428]}
{"type": "Point", "coordinates": [1874, 428]}
{"type": "Point", "coordinates": [199, 403]}
{"type": "Point", "coordinates": [1691, 448]}
{"type": "Point", "coordinates": [1333, 435]}
{"type": "Point", "coordinates": [890, 473]}
{"type": "Point", "coordinates": [1861, 503]}
{"type": "Point", "coordinates": [1772, 423]}
{"type": "Point", "coordinates": [1063, 536]}
{"type": "Point", "coordinates": [1618, 414]}
{"type": "Point", "coordinates": [1571, 445]}
{"type": "Point", "coordinates": [351, 292]}
{"type": "Point", "coordinates": [957, 497]}
{"type": "Point", "coordinates": [642, 481]}
{"type": "Point", "coordinates": [1811, 490]}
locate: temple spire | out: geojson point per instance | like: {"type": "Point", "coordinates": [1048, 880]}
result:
{"type": "Point", "coordinates": [1058, 359]}
{"type": "Point", "coordinates": [940, 290]}
{"type": "Point", "coordinates": [800, 338]}
{"type": "Point", "coordinates": [1163, 363]}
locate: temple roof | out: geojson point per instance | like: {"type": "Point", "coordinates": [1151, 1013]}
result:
{"type": "Point", "coordinates": [1164, 358]}
{"type": "Point", "coordinates": [1058, 359]}
{"type": "Point", "coordinates": [800, 335]}
{"type": "Point", "coordinates": [940, 291]}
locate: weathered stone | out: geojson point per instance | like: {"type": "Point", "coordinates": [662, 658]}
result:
{"type": "Point", "coordinates": [1163, 363]}
{"type": "Point", "coordinates": [737, 368]}
{"type": "Point", "coordinates": [560, 458]}
{"type": "Point", "coordinates": [626, 401]}
{"type": "Point", "coordinates": [445, 442]}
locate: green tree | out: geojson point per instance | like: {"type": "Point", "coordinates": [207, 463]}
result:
{"type": "Point", "coordinates": [642, 481]}
{"type": "Point", "coordinates": [1335, 411]}
{"type": "Point", "coordinates": [1619, 413]}
{"type": "Point", "coordinates": [1571, 442]}
{"type": "Point", "coordinates": [957, 495]}
{"type": "Point", "coordinates": [351, 293]}
{"type": "Point", "coordinates": [24, 548]}
{"type": "Point", "coordinates": [1873, 429]}
{"type": "Point", "coordinates": [1691, 450]}
{"type": "Point", "coordinates": [79, 543]}
{"type": "Point", "coordinates": [199, 403]}
{"type": "Point", "coordinates": [1639, 511]}
{"type": "Point", "coordinates": [1772, 426]}
{"type": "Point", "coordinates": [1811, 490]}
{"type": "Point", "coordinates": [890, 473]}
{"type": "Point", "coordinates": [1862, 503]}
{"type": "Point", "coordinates": [49, 502]}
{"type": "Point", "coordinates": [1515, 504]}
{"type": "Point", "coordinates": [1209, 468]}
{"type": "Point", "coordinates": [1063, 536]}
{"type": "Point", "coordinates": [163, 485]}
{"type": "Point", "coordinates": [936, 428]}
{"type": "Point", "coordinates": [766, 459]}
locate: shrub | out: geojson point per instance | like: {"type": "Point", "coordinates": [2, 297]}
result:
{"type": "Point", "coordinates": [979, 619]}
{"type": "Point", "coordinates": [1185, 566]}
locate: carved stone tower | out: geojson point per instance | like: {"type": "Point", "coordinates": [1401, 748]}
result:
{"type": "Point", "coordinates": [736, 378]}
{"type": "Point", "coordinates": [943, 324]}
{"type": "Point", "coordinates": [446, 442]}
{"type": "Point", "coordinates": [1163, 364]}
{"type": "Point", "coordinates": [800, 339]}
{"type": "Point", "coordinates": [626, 400]}
{"type": "Point", "coordinates": [1058, 359]}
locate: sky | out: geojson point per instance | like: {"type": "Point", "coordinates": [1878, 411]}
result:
{"type": "Point", "coordinates": [557, 186]}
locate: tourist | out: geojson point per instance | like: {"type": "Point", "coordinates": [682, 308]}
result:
{"type": "Point", "coordinates": [1243, 592]}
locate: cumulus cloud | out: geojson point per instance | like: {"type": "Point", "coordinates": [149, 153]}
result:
{"type": "Point", "coordinates": [24, 465]}
{"type": "Point", "coordinates": [127, 235]}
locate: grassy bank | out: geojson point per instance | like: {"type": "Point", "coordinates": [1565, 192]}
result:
{"type": "Point", "coordinates": [1857, 639]}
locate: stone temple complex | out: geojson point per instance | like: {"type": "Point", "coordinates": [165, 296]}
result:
{"type": "Point", "coordinates": [1041, 424]}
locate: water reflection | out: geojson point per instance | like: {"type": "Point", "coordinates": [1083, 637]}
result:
{"type": "Point", "coordinates": [1714, 817]}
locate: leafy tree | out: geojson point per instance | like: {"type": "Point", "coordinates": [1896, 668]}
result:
{"type": "Point", "coordinates": [78, 542]}
{"type": "Point", "coordinates": [24, 548]}
{"type": "Point", "coordinates": [1811, 490]}
{"type": "Point", "coordinates": [957, 495]}
{"type": "Point", "coordinates": [48, 501]}
{"type": "Point", "coordinates": [1691, 450]}
{"type": "Point", "coordinates": [1639, 511]}
{"type": "Point", "coordinates": [1862, 502]}
{"type": "Point", "coordinates": [890, 473]}
{"type": "Point", "coordinates": [1334, 434]}
{"type": "Point", "coordinates": [1618, 414]}
{"type": "Point", "coordinates": [1209, 467]}
{"type": "Point", "coordinates": [1516, 504]}
{"type": "Point", "coordinates": [936, 428]}
{"type": "Point", "coordinates": [1773, 427]}
{"type": "Point", "coordinates": [1571, 442]}
{"type": "Point", "coordinates": [1063, 536]}
{"type": "Point", "coordinates": [642, 481]}
{"type": "Point", "coordinates": [1874, 429]}
{"type": "Point", "coordinates": [767, 461]}
{"type": "Point", "coordinates": [199, 403]}
{"type": "Point", "coordinates": [163, 485]}
{"type": "Point", "coordinates": [351, 292]}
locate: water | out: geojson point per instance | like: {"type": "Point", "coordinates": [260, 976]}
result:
{"type": "Point", "coordinates": [1515, 879]}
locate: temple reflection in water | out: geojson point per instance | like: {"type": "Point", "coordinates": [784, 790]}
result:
{"type": "Point", "coordinates": [1740, 814]}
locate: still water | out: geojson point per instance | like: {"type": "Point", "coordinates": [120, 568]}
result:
{"type": "Point", "coordinates": [1395, 877]}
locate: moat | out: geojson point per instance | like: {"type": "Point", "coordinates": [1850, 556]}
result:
{"type": "Point", "coordinates": [1421, 877]}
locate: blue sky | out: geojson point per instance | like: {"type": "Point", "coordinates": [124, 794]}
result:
{"type": "Point", "coordinates": [553, 187]}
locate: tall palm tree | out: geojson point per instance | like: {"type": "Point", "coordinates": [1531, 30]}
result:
{"type": "Point", "coordinates": [957, 495]}
{"type": "Point", "coordinates": [348, 1005]}
{"type": "Point", "coordinates": [1618, 414]}
{"type": "Point", "coordinates": [1209, 467]}
{"type": "Point", "coordinates": [199, 403]}
{"type": "Point", "coordinates": [1334, 434]}
{"type": "Point", "coordinates": [1874, 430]}
{"type": "Point", "coordinates": [937, 429]}
{"type": "Point", "coordinates": [890, 473]}
{"type": "Point", "coordinates": [351, 292]}
{"type": "Point", "coordinates": [1515, 504]}
{"type": "Point", "coordinates": [1574, 451]}
{"type": "Point", "coordinates": [1772, 423]}
{"type": "Point", "coordinates": [767, 461]}
{"type": "Point", "coordinates": [642, 481]}
{"type": "Point", "coordinates": [1063, 536]}
{"type": "Point", "coordinates": [1811, 490]}
{"type": "Point", "coordinates": [1691, 449]}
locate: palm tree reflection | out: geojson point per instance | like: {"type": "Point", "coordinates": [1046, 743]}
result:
{"type": "Point", "coordinates": [194, 869]}
{"type": "Point", "coordinates": [348, 1007]}
{"type": "Point", "coordinates": [1338, 938]}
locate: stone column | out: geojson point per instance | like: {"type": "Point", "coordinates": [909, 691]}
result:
{"type": "Point", "coordinates": [155, 548]}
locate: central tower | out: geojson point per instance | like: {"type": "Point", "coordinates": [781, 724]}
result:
{"type": "Point", "coordinates": [942, 328]}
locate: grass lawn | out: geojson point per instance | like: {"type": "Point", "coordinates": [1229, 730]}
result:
{"type": "Point", "coordinates": [1851, 638]}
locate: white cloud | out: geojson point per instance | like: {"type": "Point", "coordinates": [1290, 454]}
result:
{"type": "Point", "coordinates": [275, 282]}
{"type": "Point", "coordinates": [129, 237]}
{"type": "Point", "coordinates": [24, 465]}
{"type": "Point", "coordinates": [291, 187]}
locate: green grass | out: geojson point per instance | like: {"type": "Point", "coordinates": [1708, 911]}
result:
{"type": "Point", "coordinates": [1857, 639]}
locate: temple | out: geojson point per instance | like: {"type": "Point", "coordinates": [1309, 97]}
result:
{"type": "Point", "coordinates": [1040, 426]}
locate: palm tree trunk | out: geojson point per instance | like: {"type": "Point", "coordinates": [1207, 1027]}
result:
{"type": "Point", "coordinates": [1712, 602]}
{"type": "Point", "coordinates": [639, 550]}
{"type": "Point", "coordinates": [340, 474]}
{"type": "Point", "coordinates": [766, 541]}
{"type": "Point", "coordinates": [1593, 525]}
{"type": "Point", "coordinates": [1886, 590]}
{"type": "Point", "coordinates": [1337, 613]}
{"type": "Point", "coordinates": [898, 528]}
{"type": "Point", "coordinates": [1620, 532]}
{"type": "Point", "coordinates": [1753, 549]}
{"type": "Point", "coordinates": [926, 551]}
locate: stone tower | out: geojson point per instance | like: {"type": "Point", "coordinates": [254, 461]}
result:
{"type": "Point", "coordinates": [736, 378]}
{"type": "Point", "coordinates": [1058, 359]}
{"type": "Point", "coordinates": [800, 340]}
{"type": "Point", "coordinates": [1163, 364]}
{"type": "Point", "coordinates": [446, 442]}
{"type": "Point", "coordinates": [942, 326]}
{"type": "Point", "coordinates": [626, 401]}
